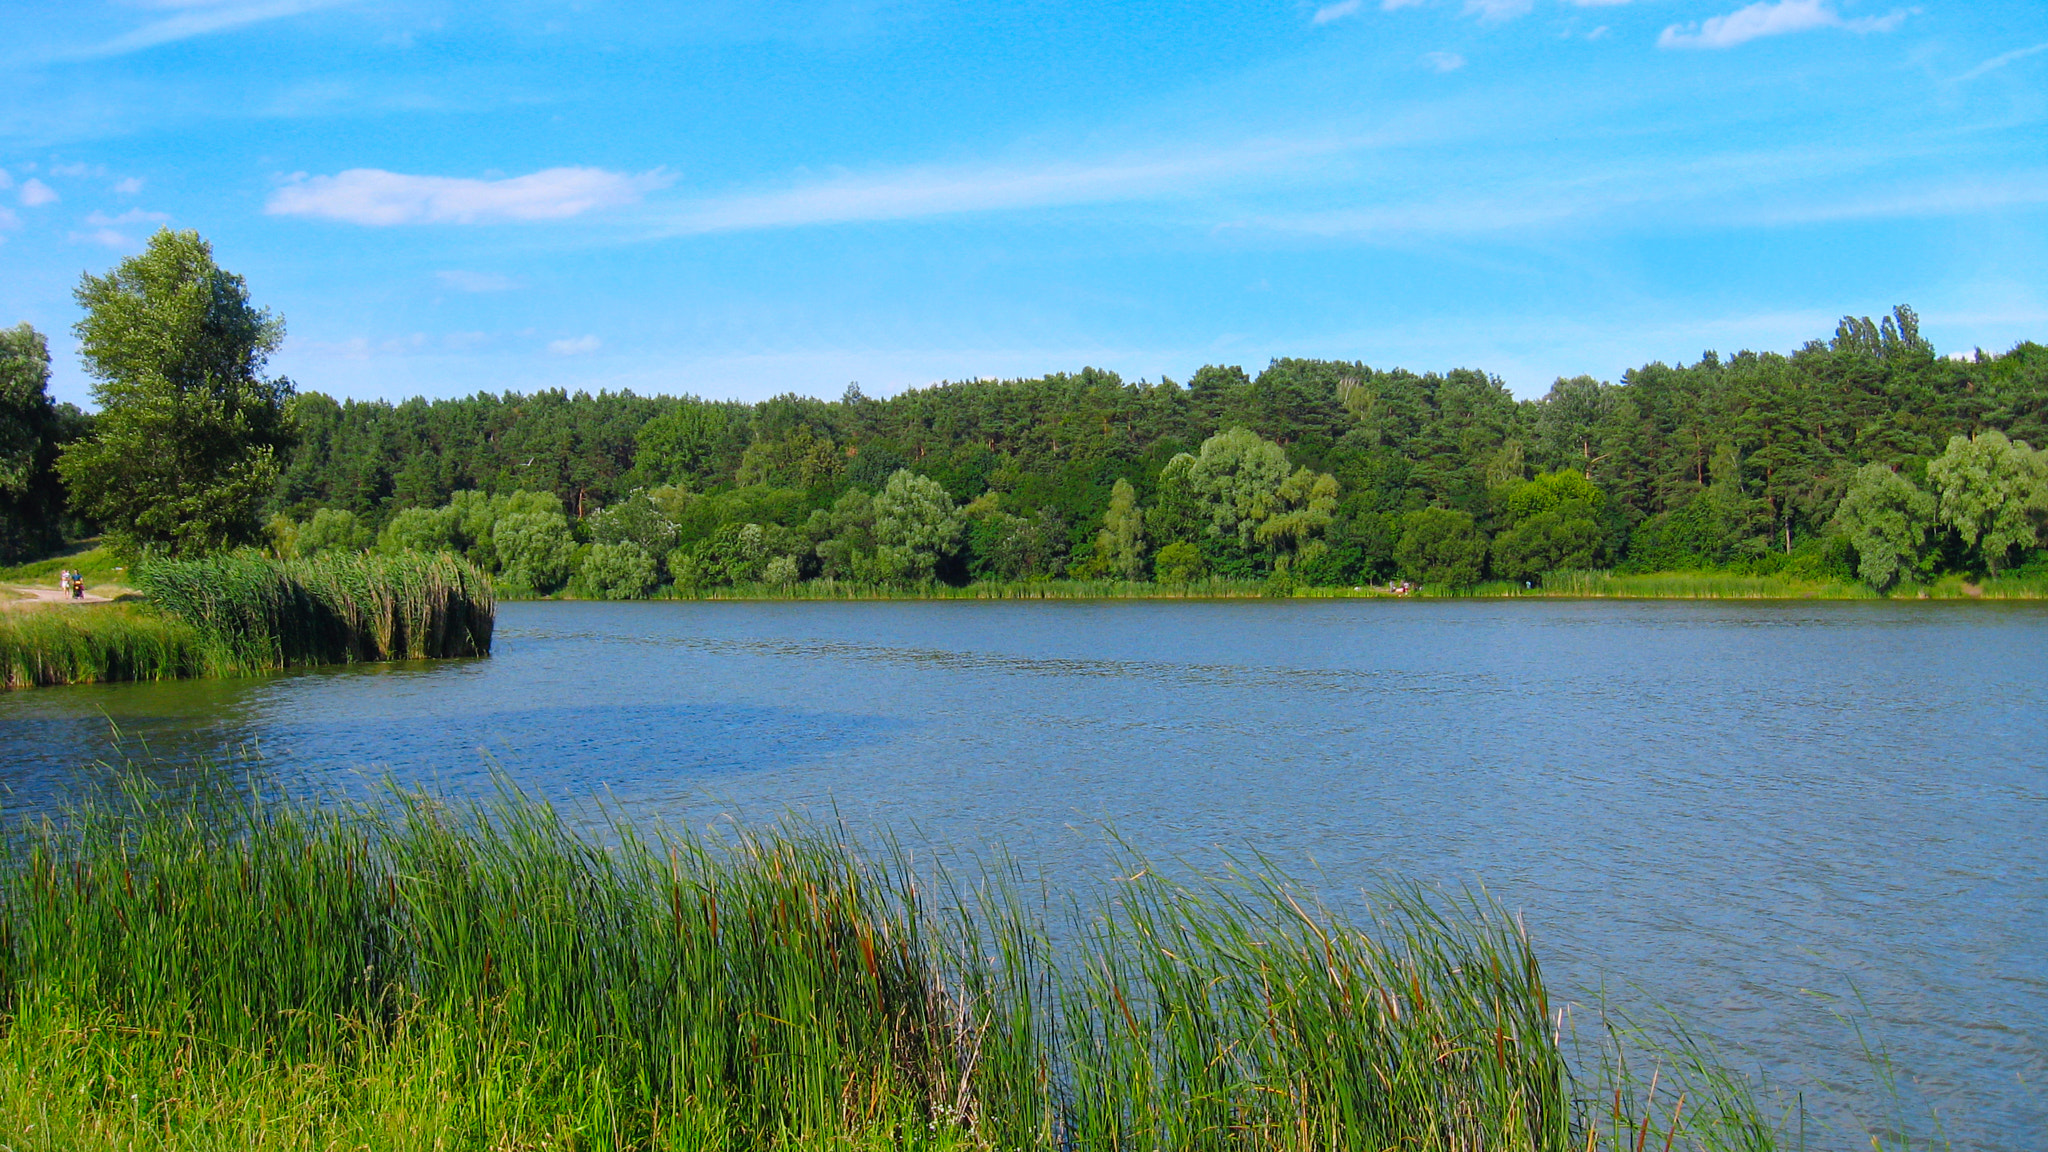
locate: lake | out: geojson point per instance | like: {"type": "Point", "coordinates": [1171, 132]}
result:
{"type": "Point", "coordinates": [1753, 813]}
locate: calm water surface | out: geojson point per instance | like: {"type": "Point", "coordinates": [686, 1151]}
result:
{"type": "Point", "coordinates": [1752, 813]}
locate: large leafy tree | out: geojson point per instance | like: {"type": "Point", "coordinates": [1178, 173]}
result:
{"type": "Point", "coordinates": [189, 435]}
{"type": "Point", "coordinates": [31, 427]}
{"type": "Point", "coordinates": [1994, 491]}
{"type": "Point", "coordinates": [1887, 521]}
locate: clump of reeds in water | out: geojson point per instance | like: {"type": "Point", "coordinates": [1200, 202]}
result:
{"type": "Point", "coordinates": [285, 975]}
{"type": "Point", "coordinates": [335, 608]}
{"type": "Point", "coordinates": [94, 644]}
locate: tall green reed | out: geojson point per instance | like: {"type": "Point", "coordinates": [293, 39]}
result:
{"type": "Point", "coordinates": [93, 644]}
{"type": "Point", "coordinates": [335, 608]}
{"type": "Point", "coordinates": [782, 987]}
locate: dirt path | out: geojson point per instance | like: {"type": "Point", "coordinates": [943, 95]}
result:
{"type": "Point", "coordinates": [33, 595]}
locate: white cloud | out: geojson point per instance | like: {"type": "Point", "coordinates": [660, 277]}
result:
{"type": "Point", "coordinates": [200, 20]}
{"type": "Point", "coordinates": [1494, 11]}
{"type": "Point", "coordinates": [6, 181]}
{"type": "Point", "coordinates": [1443, 61]}
{"type": "Point", "coordinates": [375, 197]}
{"type": "Point", "coordinates": [1596, 3]}
{"type": "Point", "coordinates": [129, 186]}
{"type": "Point", "coordinates": [1397, 5]}
{"type": "Point", "coordinates": [35, 193]}
{"type": "Point", "coordinates": [1766, 18]}
{"type": "Point", "coordinates": [925, 191]}
{"type": "Point", "coordinates": [1991, 65]}
{"type": "Point", "coordinates": [576, 347]}
{"type": "Point", "coordinates": [106, 236]}
{"type": "Point", "coordinates": [132, 216]}
{"type": "Point", "coordinates": [76, 170]}
{"type": "Point", "coordinates": [463, 281]}
{"type": "Point", "coordinates": [1337, 11]}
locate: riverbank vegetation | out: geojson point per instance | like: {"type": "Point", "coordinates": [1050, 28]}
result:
{"type": "Point", "coordinates": [239, 614]}
{"type": "Point", "coordinates": [1864, 458]}
{"type": "Point", "coordinates": [199, 971]}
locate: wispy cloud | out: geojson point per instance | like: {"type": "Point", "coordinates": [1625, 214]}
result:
{"type": "Point", "coordinates": [196, 20]}
{"type": "Point", "coordinates": [132, 216]}
{"type": "Point", "coordinates": [35, 193]}
{"type": "Point", "coordinates": [919, 192]}
{"type": "Point", "coordinates": [1495, 11]}
{"type": "Point", "coordinates": [2001, 60]}
{"type": "Point", "coordinates": [463, 281]}
{"type": "Point", "coordinates": [375, 197]}
{"type": "Point", "coordinates": [128, 186]}
{"type": "Point", "coordinates": [104, 236]}
{"type": "Point", "coordinates": [1768, 18]}
{"type": "Point", "coordinates": [1337, 11]}
{"type": "Point", "coordinates": [575, 347]}
{"type": "Point", "coordinates": [1443, 61]}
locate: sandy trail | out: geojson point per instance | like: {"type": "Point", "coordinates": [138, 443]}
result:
{"type": "Point", "coordinates": [48, 596]}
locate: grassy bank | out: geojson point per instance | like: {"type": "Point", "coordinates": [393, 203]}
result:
{"type": "Point", "coordinates": [208, 973]}
{"type": "Point", "coordinates": [1593, 585]}
{"type": "Point", "coordinates": [238, 615]}
{"type": "Point", "coordinates": [93, 644]}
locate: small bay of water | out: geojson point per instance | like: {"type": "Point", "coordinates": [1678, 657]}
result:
{"type": "Point", "coordinates": [1755, 814]}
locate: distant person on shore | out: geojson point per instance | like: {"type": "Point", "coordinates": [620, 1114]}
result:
{"type": "Point", "coordinates": [64, 580]}
{"type": "Point", "coordinates": [77, 587]}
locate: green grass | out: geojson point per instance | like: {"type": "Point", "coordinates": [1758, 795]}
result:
{"type": "Point", "coordinates": [238, 615]}
{"type": "Point", "coordinates": [1210, 588]}
{"type": "Point", "coordinates": [208, 972]}
{"type": "Point", "coordinates": [95, 643]}
{"type": "Point", "coordinates": [105, 572]}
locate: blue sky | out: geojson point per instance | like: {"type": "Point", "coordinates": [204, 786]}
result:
{"type": "Point", "coordinates": [742, 199]}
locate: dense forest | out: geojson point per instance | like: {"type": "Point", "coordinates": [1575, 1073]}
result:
{"type": "Point", "coordinates": [1317, 470]}
{"type": "Point", "coordinates": [1838, 460]}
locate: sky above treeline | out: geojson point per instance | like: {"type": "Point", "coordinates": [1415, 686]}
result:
{"type": "Point", "coordinates": [747, 198]}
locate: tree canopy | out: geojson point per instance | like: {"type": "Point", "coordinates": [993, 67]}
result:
{"type": "Point", "coordinates": [186, 447]}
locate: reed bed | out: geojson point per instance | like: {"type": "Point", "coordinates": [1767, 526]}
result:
{"type": "Point", "coordinates": [1209, 588]}
{"type": "Point", "coordinates": [71, 644]}
{"type": "Point", "coordinates": [338, 608]}
{"type": "Point", "coordinates": [199, 971]}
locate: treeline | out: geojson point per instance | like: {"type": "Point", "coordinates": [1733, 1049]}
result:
{"type": "Point", "coordinates": [1315, 471]}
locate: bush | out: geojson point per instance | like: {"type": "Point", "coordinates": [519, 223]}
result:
{"type": "Point", "coordinates": [332, 530]}
{"type": "Point", "coordinates": [1179, 563]}
{"type": "Point", "coordinates": [1441, 546]}
{"type": "Point", "coordinates": [617, 572]}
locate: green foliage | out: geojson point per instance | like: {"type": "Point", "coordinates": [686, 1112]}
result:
{"type": "Point", "coordinates": [1887, 521]}
{"type": "Point", "coordinates": [1120, 546]}
{"type": "Point", "coordinates": [1441, 546]}
{"type": "Point", "coordinates": [253, 613]}
{"type": "Point", "coordinates": [1004, 547]}
{"type": "Point", "coordinates": [331, 530]}
{"type": "Point", "coordinates": [1235, 480]}
{"type": "Point", "coordinates": [1553, 522]}
{"type": "Point", "coordinates": [32, 431]}
{"type": "Point", "coordinates": [1179, 563]}
{"type": "Point", "coordinates": [1994, 492]}
{"type": "Point", "coordinates": [174, 963]}
{"type": "Point", "coordinates": [622, 571]}
{"type": "Point", "coordinates": [917, 527]}
{"type": "Point", "coordinates": [533, 549]}
{"type": "Point", "coordinates": [186, 445]}
{"type": "Point", "coordinates": [1733, 464]}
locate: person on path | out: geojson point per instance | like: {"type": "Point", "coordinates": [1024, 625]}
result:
{"type": "Point", "coordinates": [64, 580]}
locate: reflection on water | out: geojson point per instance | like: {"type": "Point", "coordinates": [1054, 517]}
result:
{"type": "Point", "coordinates": [1736, 809]}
